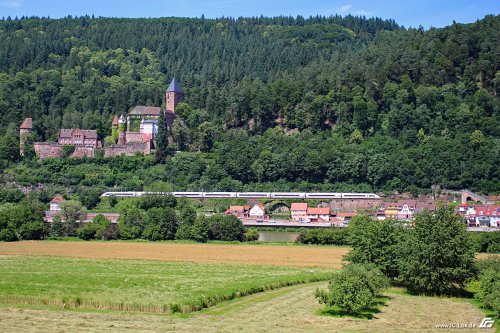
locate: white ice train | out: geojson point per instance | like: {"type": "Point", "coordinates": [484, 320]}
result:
{"type": "Point", "coordinates": [249, 195]}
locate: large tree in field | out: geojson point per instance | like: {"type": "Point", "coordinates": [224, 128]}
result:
{"type": "Point", "coordinates": [376, 242]}
{"type": "Point", "coordinates": [162, 138]}
{"type": "Point", "coordinates": [161, 224]}
{"type": "Point", "coordinates": [437, 256]}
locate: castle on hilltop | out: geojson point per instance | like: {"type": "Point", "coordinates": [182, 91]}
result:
{"type": "Point", "coordinates": [133, 134]}
{"type": "Point", "coordinates": [137, 132]}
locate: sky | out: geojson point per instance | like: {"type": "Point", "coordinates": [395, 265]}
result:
{"type": "Point", "coordinates": [428, 13]}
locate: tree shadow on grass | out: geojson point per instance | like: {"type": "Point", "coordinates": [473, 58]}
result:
{"type": "Point", "coordinates": [369, 313]}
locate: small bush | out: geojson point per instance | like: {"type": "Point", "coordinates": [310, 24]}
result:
{"type": "Point", "coordinates": [251, 235]}
{"type": "Point", "coordinates": [354, 288]}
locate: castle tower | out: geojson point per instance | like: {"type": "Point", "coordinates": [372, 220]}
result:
{"type": "Point", "coordinates": [122, 139]}
{"type": "Point", "coordinates": [24, 131]}
{"type": "Point", "coordinates": [173, 96]}
{"type": "Point", "coordinates": [114, 129]}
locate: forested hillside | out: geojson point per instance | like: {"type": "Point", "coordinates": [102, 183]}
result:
{"type": "Point", "coordinates": [272, 103]}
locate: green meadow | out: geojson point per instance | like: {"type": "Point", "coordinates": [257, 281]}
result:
{"type": "Point", "coordinates": [138, 285]}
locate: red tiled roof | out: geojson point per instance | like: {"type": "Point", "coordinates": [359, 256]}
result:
{"type": "Point", "coordinates": [260, 205]}
{"type": "Point", "coordinates": [487, 210]}
{"type": "Point", "coordinates": [238, 208]}
{"type": "Point", "coordinates": [346, 214]}
{"type": "Point", "coordinates": [57, 198]}
{"type": "Point", "coordinates": [318, 211]}
{"type": "Point", "coordinates": [27, 123]}
{"type": "Point", "coordinates": [299, 206]}
{"type": "Point", "coordinates": [115, 121]}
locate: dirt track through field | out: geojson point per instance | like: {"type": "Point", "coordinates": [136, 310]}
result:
{"type": "Point", "coordinates": [282, 255]}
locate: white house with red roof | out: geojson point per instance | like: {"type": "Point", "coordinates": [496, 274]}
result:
{"type": "Point", "coordinates": [258, 211]}
{"type": "Point", "coordinates": [318, 214]}
{"type": "Point", "coordinates": [54, 203]}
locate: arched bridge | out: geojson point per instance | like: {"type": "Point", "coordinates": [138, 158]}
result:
{"type": "Point", "coordinates": [471, 196]}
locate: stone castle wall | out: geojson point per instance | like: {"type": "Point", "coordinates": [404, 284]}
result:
{"type": "Point", "coordinates": [86, 151]}
{"type": "Point", "coordinates": [50, 150]}
{"type": "Point", "coordinates": [352, 205]}
{"type": "Point", "coordinates": [134, 137]}
{"type": "Point", "coordinates": [47, 150]}
{"type": "Point", "coordinates": [129, 149]}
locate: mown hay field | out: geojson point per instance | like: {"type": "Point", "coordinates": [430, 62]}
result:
{"type": "Point", "coordinates": [245, 254]}
{"type": "Point", "coordinates": [138, 285]}
{"type": "Point", "coordinates": [291, 309]}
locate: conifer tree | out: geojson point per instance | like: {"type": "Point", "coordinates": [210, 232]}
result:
{"type": "Point", "coordinates": [161, 139]}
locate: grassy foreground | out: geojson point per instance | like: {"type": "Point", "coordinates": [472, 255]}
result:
{"type": "Point", "coordinates": [136, 285]}
{"type": "Point", "coordinates": [291, 309]}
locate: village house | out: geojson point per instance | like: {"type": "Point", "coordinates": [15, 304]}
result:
{"type": "Point", "coordinates": [403, 210]}
{"type": "Point", "coordinates": [54, 208]}
{"type": "Point", "coordinates": [302, 213]}
{"type": "Point", "coordinates": [258, 211]}
{"type": "Point", "coordinates": [480, 215]}
{"type": "Point", "coordinates": [345, 217]}
{"type": "Point", "coordinates": [299, 211]}
{"type": "Point", "coordinates": [318, 214]}
{"type": "Point", "coordinates": [239, 211]}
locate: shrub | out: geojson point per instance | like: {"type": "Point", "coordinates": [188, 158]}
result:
{"type": "Point", "coordinates": [329, 236]}
{"type": "Point", "coordinates": [489, 284]}
{"type": "Point", "coordinates": [486, 241]}
{"type": "Point", "coordinates": [251, 235]}
{"type": "Point", "coordinates": [376, 242]}
{"type": "Point", "coordinates": [200, 229]}
{"type": "Point", "coordinates": [437, 255]}
{"type": "Point", "coordinates": [226, 228]}
{"type": "Point", "coordinates": [32, 231]}
{"type": "Point", "coordinates": [87, 232]}
{"type": "Point", "coordinates": [112, 231]}
{"type": "Point", "coordinates": [184, 232]}
{"type": "Point", "coordinates": [354, 288]}
{"type": "Point", "coordinates": [7, 235]}
{"type": "Point", "coordinates": [11, 195]}
{"type": "Point", "coordinates": [100, 224]}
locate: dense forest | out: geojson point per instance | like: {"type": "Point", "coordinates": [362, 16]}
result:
{"type": "Point", "coordinates": [325, 103]}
